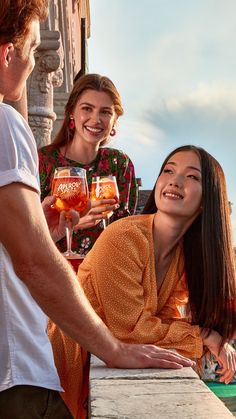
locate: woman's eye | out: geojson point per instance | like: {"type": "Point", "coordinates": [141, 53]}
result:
{"type": "Point", "coordinates": [86, 108]}
{"type": "Point", "coordinates": [105, 112]}
{"type": "Point", "coordinates": [193, 177]}
{"type": "Point", "coordinates": [167, 171]}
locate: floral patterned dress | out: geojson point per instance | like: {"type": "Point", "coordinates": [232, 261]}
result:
{"type": "Point", "coordinates": [108, 161]}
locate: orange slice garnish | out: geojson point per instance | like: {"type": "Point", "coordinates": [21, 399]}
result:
{"type": "Point", "coordinates": [105, 179]}
{"type": "Point", "coordinates": [64, 172]}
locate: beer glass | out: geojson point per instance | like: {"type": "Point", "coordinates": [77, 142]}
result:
{"type": "Point", "coordinates": [70, 188]}
{"type": "Point", "coordinates": [104, 187]}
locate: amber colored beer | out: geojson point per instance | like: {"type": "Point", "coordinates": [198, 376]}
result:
{"type": "Point", "coordinates": [71, 193]}
{"type": "Point", "coordinates": [105, 188]}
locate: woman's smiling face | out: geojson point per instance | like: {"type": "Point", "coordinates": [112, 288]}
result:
{"type": "Point", "coordinates": [94, 116]}
{"type": "Point", "coordinates": [178, 189]}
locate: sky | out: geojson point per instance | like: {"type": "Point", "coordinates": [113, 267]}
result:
{"type": "Point", "coordinates": [174, 65]}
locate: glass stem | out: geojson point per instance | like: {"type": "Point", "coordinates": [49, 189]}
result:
{"type": "Point", "coordinates": [69, 233]}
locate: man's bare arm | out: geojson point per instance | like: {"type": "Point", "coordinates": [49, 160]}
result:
{"type": "Point", "coordinates": [49, 277]}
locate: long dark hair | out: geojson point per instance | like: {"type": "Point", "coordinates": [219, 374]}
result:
{"type": "Point", "coordinates": [86, 82]}
{"type": "Point", "coordinates": [208, 250]}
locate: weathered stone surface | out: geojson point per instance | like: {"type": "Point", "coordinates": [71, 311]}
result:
{"type": "Point", "coordinates": [150, 393]}
{"type": "Point", "coordinates": [100, 371]}
{"type": "Point", "coordinates": [139, 399]}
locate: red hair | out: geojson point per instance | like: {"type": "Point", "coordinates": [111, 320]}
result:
{"type": "Point", "coordinates": [16, 16]}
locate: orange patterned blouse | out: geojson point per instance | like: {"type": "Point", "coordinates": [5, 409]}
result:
{"type": "Point", "coordinates": [119, 279]}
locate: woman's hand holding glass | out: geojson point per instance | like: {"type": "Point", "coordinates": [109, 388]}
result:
{"type": "Point", "coordinates": [57, 221]}
{"type": "Point", "coordinates": [96, 214]}
{"type": "Point", "coordinates": [104, 187]}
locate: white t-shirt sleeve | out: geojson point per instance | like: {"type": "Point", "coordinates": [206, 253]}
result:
{"type": "Point", "coordinates": [18, 152]}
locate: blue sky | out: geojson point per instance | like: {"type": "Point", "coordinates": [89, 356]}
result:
{"type": "Point", "coordinates": [174, 64]}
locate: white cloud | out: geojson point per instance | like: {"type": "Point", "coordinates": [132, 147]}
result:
{"type": "Point", "coordinates": [216, 96]}
{"type": "Point", "coordinates": [209, 108]}
{"type": "Point", "coordinates": [138, 138]}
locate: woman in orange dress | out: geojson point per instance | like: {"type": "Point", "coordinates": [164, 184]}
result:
{"type": "Point", "coordinates": [167, 277]}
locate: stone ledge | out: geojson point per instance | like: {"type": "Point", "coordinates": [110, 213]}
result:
{"type": "Point", "coordinates": [151, 393]}
{"type": "Point", "coordinates": [100, 371]}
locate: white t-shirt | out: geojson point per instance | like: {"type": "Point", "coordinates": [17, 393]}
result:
{"type": "Point", "coordinates": [25, 351]}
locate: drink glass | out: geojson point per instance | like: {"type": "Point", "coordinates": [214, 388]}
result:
{"type": "Point", "coordinates": [70, 188]}
{"type": "Point", "coordinates": [104, 187]}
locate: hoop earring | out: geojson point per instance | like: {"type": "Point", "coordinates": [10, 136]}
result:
{"type": "Point", "coordinates": [72, 123]}
{"type": "Point", "coordinates": [113, 132]}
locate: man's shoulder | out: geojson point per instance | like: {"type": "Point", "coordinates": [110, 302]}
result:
{"type": "Point", "coordinates": [13, 119]}
{"type": "Point", "coordinates": [16, 134]}
{"type": "Point", "coordinates": [8, 110]}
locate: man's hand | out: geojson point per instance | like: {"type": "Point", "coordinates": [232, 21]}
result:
{"type": "Point", "coordinates": [57, 221]}
{"type": "Point", "coordinates": [148, 356]}
{"type": "Point", "coordinates": [98, 212]}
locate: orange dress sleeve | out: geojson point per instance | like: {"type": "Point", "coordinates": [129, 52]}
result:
{"type": "Point", "coordinates": [72, 363]}
{"type": "Point", "coordinates": [119, 280]}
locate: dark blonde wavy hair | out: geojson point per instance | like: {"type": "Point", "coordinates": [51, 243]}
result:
{"type": "Point", "coordinates": [86, 82]}
{"type": "Point", "coordinates": [16, 16]}
{"type": "Point", "coordinates": [208, 250]}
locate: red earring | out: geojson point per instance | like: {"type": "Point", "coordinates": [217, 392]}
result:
{"type": "Point", "coordinates": [113, 132]}
{"type": "Point", "coordinates": [72, 123]}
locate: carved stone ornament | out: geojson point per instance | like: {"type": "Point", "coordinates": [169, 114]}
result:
{"type": "Point", "coordinates": [47, 74]}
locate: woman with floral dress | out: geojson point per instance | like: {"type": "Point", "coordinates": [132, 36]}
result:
{"type": "Point", "coordinates": [90, 118]}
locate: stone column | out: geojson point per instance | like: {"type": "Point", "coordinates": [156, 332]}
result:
{"type": "Point", "coordinates": [46, 75]}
